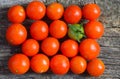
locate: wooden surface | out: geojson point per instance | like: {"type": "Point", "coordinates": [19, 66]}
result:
{"type": "Point", "coordinates": [110, 42]}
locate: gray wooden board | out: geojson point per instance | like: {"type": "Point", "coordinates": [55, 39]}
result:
{"type": "Point", "coordinates": [110, 42]}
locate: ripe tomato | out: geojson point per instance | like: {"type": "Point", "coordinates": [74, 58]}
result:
{"type": "Point", "coordinates": [36, 10]}
{"type": "Point", "coordinates": [89, 49]}
{"type": "Point", "coordinates": [39, 63]}
{"type": "Point", "coordinates": [94, 29]}
{"type": "Point", "coordinates": [16, 34]}
{"type": "Point", "coordinates": [39, 30]}
{"type": "Point", "coordinates": [19, 64]}
{"type": "Point", "coordinates": [58, 29]}
{"type": "Point", "coordinates": [50, 46]}
{"type": "Point", "coordinates": [55, 11]}
{"type": "Point", "coordinates": [72, 14]}
{"type": "Point", "coordinates": [78, 65]}
{"type": "Point", "coordinates": [30, 47]}
{"type": "Point", "coordinates": [95, 67]}
{"type": "Point", "coordinates": [69, 48]}
{"type": "Point", "coordinates": [91, 11]}
{"type": "Point", "coordinates": [59, 64]}
{"type": "Point", "coordinates": [16, 14]}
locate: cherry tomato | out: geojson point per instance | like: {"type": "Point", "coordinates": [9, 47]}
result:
{"type": "Point", "coordinates": [78, 65]}
{"type": "Point", "coordinates": [89, 49]}
{"type": "Point", "coordinates": [40, 63]}
{"type": "Point", "coordinates": [16, 14]}
{"type": "Point", "coordinates": [36, 10]}
{"type": "Point", "coordinates": [91, 11]}
{"type": "Point", "coordinates": [59, 64]}
{"type": "Point", "coordinates": [94, 29]}
{"type": "Point", "coordinates": [96, 67]}
{"type": "Point", "coordinates": [39, 30]}
{"type": "Point", "coordinates": [55, 11]}
{"type": "Point", "coordinates": [30, 47]}
{"type": "Point", "coordinates": [58, 29]}
{"type": "Point", "coordinates": [19, 64]}
{"type": "Point", "coordinates": [16, 34]}
{"type": "Point", "coordinates": [72, 14]}
{"type": "Point", "coordinates": [69, 48]}
{"type": "Point", "coordinates": [50, 46]}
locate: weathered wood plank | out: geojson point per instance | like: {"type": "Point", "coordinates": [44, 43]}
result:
{"type": "Point", "coordinates": [109, 41]}
{"type": "Point", "coordinates": [110, 56]}
{"type": "Point", "coordinates": [110, 15]}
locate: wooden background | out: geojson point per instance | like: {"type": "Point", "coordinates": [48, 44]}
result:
{"type": "Point", "coordinates": [110, 42]}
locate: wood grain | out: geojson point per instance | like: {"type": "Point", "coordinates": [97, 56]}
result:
{"type": "Point", "coordinates": [110, 42]}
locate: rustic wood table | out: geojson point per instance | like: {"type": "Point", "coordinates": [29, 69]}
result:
{"type": "Point", "coordinates": [110, 42]}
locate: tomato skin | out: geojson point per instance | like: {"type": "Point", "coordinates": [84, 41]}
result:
{"type": "Point", "coordinates": [39, 30]}
{"type": "Point", "coordinates": [16, 14]}
{"type": "Point", "coordinates": [59, 64]}
{"type": "Point", "coordinates": [96, 67]}
{"type": "Point", "coordinates": [36, 10]}
{"type": "Point", "coordinates": [30, 47]}
{"type": "Point", "coordinates": [16, 34]}
{"type": "Point", "coordinates": [72, 14]}
{"type": "Point", "coordinates": [78, 65]}
{"type": "Point", "coordinates": [91, 11]}
{"type": "Point", "coordinates": [89, 49]}
{"type": "Point", "coordinates": [39, 63]}
{"type": "Point", "coordinates": [55, 11]}
{"type": "Point", "coordinates": [69, 48]}
{"type": "Point", "coordinates": [19, 64]}
{"type": "Point", "coordinates": [58, 29]}
{"type": "Point", "coordinates": [50, 46]}
{"type": "Point", "coordinates": [94, 29]}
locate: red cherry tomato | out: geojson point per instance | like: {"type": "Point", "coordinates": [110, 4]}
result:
{"type": "Point", "coordinates": [96, 67]}
{"type": "Point", "coordinates": [94, 29]}
{"type": "Point", "coordinates": [58, 29]}
{"type": "Point", "coordinates": [69, 48]}
{"type": "Point", "coordinates": [36, 10]}
{"type": "Point", "coordinates": [91, 11]}
{"type": "Point", "coordinates": [39, 30]}
{"type": "Point", "coordinates": [78, 65]}
{"type": "Point", "coordinates": [16, 14]}
{"type": "Point", "coordinates": [89, 49]}
{"type": "Point", "coordinates": [50, 46]}
{"type": "Point", "coordinates": [40, 63]}
{"type": "Point", "coordinates": [30, 47]}
{"type": "Point", "coordinates": [59, 64]}
{"type": "Point", "coordinates": [72, 14]}
{"type": "Point", "coordinates": [19, 64]}
{"type": "Point", "coordinates": [55, 11]}
{"type": "Point", "coordinates": [16, 34]}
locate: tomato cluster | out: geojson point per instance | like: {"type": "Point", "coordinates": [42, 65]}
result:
{"type": "Point", "coordinates": [60, 46]}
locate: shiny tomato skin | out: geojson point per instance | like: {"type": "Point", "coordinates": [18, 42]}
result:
{"type": "Point", "coordinates": [16, 34]}
{"type": "Point", "coordinates": [94, 29]}
{"type": "Point", "coordinates": [19, 64]}
{"type": "Point", "coordinates": [69, 48]}
{"type": "Point", "coordinates": [78, 65]}
{"type": "Point", "coordinates": [36, 10]}
{"type": "Point", "coordinates": [95, 67]}
{"type": "Point", "coordinates": [30, 47]}
{"type": "Point", "coordinates": [40, 63]}
{"type": "Point", "coordinates": [58, 29]}
{"type": "Point", "coordinates": [39, 30]}
{"type": "Point", "coordinates": [91, 11]}
{"type": "Point", "coordinates": [89, 49]}
{"type": "Point", "coordinates": [59, 64]}
{"type": "Point", "coordinates": [55, 11]}
{"type": "Point", "coordinates": [16, 14]}
{"type": "Point", "coordinates": [50, 46]}
{"type": "Point", "coordinates": [72, 14]}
